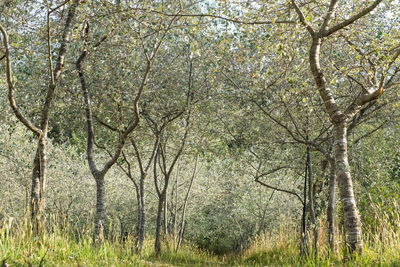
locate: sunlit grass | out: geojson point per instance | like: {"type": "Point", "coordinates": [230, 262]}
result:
{"type": "Point", "coordinates": [18, 247]}
{"type": "Point", "coordinates": [67, 247]}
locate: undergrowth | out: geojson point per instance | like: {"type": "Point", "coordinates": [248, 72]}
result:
{"type": "Point", "coordinates": [19, 247]}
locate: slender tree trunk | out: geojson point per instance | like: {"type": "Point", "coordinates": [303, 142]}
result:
{"type": "Point", "coordinates": [39, 179]}
{"type": "Point", "coordinates": [162, 194]}
{"type": "Point", "coordinates": [331, 212]}
{"type": "Point", "coordinates": [100, 218]}
{"type": "Point", "coordinates": [157, 245]}
{"type": "Point", "coordinates": [139, 214]}
{"type": "Point", "coordinates": [304, 237]}
{"type": "Point", "coordinates": [175, 220]}
{"type": "Point", "coordinates": [311, 201]}
{"type": "Point", "coordinates": [352, 222]}
{"type": "Point", "coordinates": [142, 215]}
{"type": "Point", "coordinates": [35, 192]}
{"type": "Point", "coordinates": [165, 222]}
{"type": "Point", "coordinates": [185, 203]}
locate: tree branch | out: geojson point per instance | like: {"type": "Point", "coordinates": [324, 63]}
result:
{"type": "Point", "coordinates": [349, 21]}
{"type": "Point", "coordinates": [302, 18]}
{"type": "Point", "coordinates": [281, 190]}
{"type": "Point", "coordinates": [59, 66]}
{"type": "Point", "coordinates": [329, 16]}
{"type": "Point", "coordinates": [11, 86]}
{"type": "Point", "coordinates": [268, 22]}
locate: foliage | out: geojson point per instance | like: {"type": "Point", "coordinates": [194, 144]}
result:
{"type": "Point", "coordinates": [240, 70]}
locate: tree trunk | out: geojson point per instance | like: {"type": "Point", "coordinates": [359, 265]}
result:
{"type": "Point", "coordinates": [304, 237]}
{"type": "Point", "coordinates": [139, 214]}
{"type": "Point", "coordinates": [165, 223]}
{"type": "Point", "coordinates": [185, 203]}
{"type": "Point", "coordinates": [331, 212]}
{"type": "Point", "coordinates": [352, 222]}
{"type": "Point", "coordinates": [39, 173]}
{"type": "Point", "coordinates": [142, 215]}
{"type": "Point", "coordinates": [311, 202]}
{"type": "Point", "coordinates": [157, 245]}
{"type": "Point", "coordinates": [175, 218]}
{"type": "Point", "coordinates": [100, 218]}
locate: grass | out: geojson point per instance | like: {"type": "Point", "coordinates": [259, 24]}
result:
{"type": "Point", "coordinates": [381, 248]}
{"type": "Point", "coordinates": [18, 247]}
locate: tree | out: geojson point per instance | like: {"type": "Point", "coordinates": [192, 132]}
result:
{"type": "Point", "coordinates": [339, 117]}
{"type": "Point", "coordinates": [162, 160]}
{"type": "Point", "coordinates": [144, 167]}
{"type": "Point", "coordinates": [39, 175]}
{"type": "Point", "coordinates": [149, 50]}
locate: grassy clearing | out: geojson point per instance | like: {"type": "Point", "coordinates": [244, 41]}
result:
{"type": "Point", "coordinates": [64, 248]}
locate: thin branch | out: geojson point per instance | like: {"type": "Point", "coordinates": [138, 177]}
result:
{"type": "Point", "coordinates": [302, 18]}
{"type": "Point", "coordinates": [369, 133]}
{"type": "Point", "coordinates": [289, 131]}
{"type": "Point", "coordinates": [281, 190]}
{"type": "Point", "coordinates": [365, 90]}
{"type": "Point", "coordinates": [268, 22]}
{"type": "Point", "coordinates": [108, 126]}
{"type": "Point", "coordinates": [392, 61]}
{"type": "Point", "coordinates": [49, 53]}
{"type": "Point", "coordinates": [349, 21]}
{"type": "Point", "coordinates": [57, 7]}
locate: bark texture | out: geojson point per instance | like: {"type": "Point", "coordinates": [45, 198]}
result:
{"type": "Point", "coordinates": [331, 211]}
{"type": "Point", "coordinates": [100, 218]}
{"type": "Point", "coordinates": [352, 222]}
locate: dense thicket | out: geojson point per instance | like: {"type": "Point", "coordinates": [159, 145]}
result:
{"type": "Point", "coordinates": [211, 123]}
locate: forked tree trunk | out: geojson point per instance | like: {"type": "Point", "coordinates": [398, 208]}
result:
{"type": "Point", "coordinates": [39, 170]}
{"type": "Point", "coordinates": [337, 117]}
{"type": "Point", "coordinates": [160, 157]}
{"type": "Point", "coordinates": [352, 222]}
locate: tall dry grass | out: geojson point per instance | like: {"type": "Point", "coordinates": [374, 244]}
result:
{"type": "Point", "coordinates": [65, 244]}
